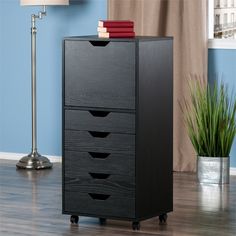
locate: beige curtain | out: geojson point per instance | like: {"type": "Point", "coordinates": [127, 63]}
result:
{"type": "Point", "coordinates": [186, 20]}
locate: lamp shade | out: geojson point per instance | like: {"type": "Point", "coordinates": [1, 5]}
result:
{"type": "Point", "coordinates": [43, 2]}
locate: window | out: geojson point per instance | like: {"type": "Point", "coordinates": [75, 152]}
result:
{"type": "Point", "coordinates": [225, 3]}
{"type": "Point", "coordinates": [222, 24]}
{"type": "Point", "coordinates": [217, 20]}
{"type": "Point", "coordinates": [225, 19]}
{"type": "Point", "coordinates": [232, 18]}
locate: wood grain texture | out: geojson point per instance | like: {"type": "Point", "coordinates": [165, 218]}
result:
{"type": "Point", "coordinates": [112, 121]}
{"type": "Point", "coordinates": [77, 181]}
{"type": "Point", "coordinates": [98, 76]}
{"type": "Point", "coordinates": [30, 205]}
{"type": "Point", "coordinates": [80, 203]}
{"type": "Point", "coordinates": [154, 136]}
{"type": "Point", "coordinates": [113, 143]}
{"type": "Point", "coordinates": [113, 163]}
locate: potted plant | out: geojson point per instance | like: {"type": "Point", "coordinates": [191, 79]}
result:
{"type": "Point", "coordinates": [210, 119]}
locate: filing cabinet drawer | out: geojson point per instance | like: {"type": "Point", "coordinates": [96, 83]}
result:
{"type": "Point", "coordinates": [100, 204]}
{"type": "Point", "coordinates": [104, 142]}
{"type": "Point", "coordinates": [97, 162]}
{"type": "Point", "coordinates": [100, 74]}
{"type": "Point", "coordinates": [103, 121]}
{"type": "Point", "coordinates": [98, 182]}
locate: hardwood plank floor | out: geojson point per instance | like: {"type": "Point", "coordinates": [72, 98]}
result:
{"type": "Point", "coordinates": [30, 204]}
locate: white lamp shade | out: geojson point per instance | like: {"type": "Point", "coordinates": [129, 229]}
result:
{"type": "Point", "coordinates": [43, 2]}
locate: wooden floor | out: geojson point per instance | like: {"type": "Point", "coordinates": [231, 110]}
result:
{"type": "Point", "coordinates": [30, 204]}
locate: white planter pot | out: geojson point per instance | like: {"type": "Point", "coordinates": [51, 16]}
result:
{"type": "Point", "coordinates": [213, 170]}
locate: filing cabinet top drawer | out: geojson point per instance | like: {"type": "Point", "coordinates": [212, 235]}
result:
{"type": "Point", "coordinates": [99, 75]}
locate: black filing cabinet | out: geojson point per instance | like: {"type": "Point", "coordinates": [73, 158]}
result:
{"type": "Point", "coordinates": [117, 128]}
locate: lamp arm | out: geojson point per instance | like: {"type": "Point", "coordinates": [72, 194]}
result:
{"type": "Point", "coordinates": [39, 16]}
{"type": "Point", "coordinates": [42, 13]}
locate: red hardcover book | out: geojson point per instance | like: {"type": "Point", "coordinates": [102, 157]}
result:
{"type": "Point", "coordinates": [115, 23]}
{"type": "Point", "coordinates": [115, 30]}
{"type": "Point", "coordinates": [116, 35]}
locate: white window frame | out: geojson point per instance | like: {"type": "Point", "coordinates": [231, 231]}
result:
{"type": "Point", "coordinates": [217, 43]}
{"type": "Point", "coordinates": [232, 17]}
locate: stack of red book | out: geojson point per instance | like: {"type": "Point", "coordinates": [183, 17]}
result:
{"type": "Point", "coordinates": [116, 29]}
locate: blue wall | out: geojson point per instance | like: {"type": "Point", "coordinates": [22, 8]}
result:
{"type": "Point", "coordinates": [222, 64]}
{"type": "Point", "coordinates": [80, 18]}
{"type": "Point", "coordinates": [77, 19]}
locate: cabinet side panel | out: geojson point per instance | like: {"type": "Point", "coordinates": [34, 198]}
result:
{"type": "Point", "coordinates": [63, 126]}
{"type": "Point", "coordinates": [154, 141]}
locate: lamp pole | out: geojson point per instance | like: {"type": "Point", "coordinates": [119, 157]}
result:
{"type": "Point", "coordinates": [34, 160]}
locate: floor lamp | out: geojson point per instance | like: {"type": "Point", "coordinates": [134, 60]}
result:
{"type": "Point", "coordinates": [34, 160]}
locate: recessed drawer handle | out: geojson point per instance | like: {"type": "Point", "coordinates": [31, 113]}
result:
{"type": "Point", "coordinates": [99, 43]}
{"type": "Point", "coordinates": [99, 113]}
{"type": "Point", "coordinates": [99, 155]}
{"type": "Point", "coordinates": [98, 196]}
{"type": "Point", "coordinates": [99, 134]}
{"type": "Point", "coordinates": [99, 175]}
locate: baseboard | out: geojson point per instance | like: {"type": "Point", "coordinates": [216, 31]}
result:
{"type": "Point", "coordinates": [17, 156]}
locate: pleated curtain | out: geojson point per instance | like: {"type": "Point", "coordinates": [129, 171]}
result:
{"type": "Point", "coordinates": [186, 21]}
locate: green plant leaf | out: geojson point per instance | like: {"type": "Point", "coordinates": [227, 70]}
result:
{"type": "Point", "coordinates": [210, 118]}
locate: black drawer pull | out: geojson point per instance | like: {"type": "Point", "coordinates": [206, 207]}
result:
{"type": "Point", "coordinates": [99, 113]}
{"type": "Point", "coordinates": [99, 155]}
{"type": "Point", "coordinates": [99, 134]}
{"type": "Point", "coordinates": [99, 43]}
{"type": "Point", "coordinates": [99, 175]}
{"type": "Point", "coordinates": [98, 196]}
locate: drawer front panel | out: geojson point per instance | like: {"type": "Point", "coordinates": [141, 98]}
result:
{"type": "Point", "coordinates": [95, 162]}
{"type": "Point", "coordinates": [100, 121]}
{"type": "Point", "coordinates": [98, 182]}
{"type": "Point", "coordinates": [99, 204]}
{"type": "Point", "coordinates": [104, 142]}
{"type": "Point", "coordinates": [100, 75]}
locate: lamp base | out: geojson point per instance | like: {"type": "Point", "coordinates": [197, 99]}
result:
{"type": "Point", "coordinates": [34, 161]}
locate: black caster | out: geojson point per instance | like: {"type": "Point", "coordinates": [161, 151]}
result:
{"type": "Point", "coordinates": [102, 221]}
{"type": "Point", "coordinates": [163, 218]}
{"type": "Point", "coordinates": [136, 226]}
{"type": "Point", "coordinates": [74, 219]}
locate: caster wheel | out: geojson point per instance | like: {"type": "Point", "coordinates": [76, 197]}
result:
{"type": "Point", "coordinates": [102, 221]}
{"type": "Point", "coordinates": [163, 218]}
{"type": "Point", "coordinates": [74, 219]}
{"type": "Point", "coordinates": [136, 226]}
